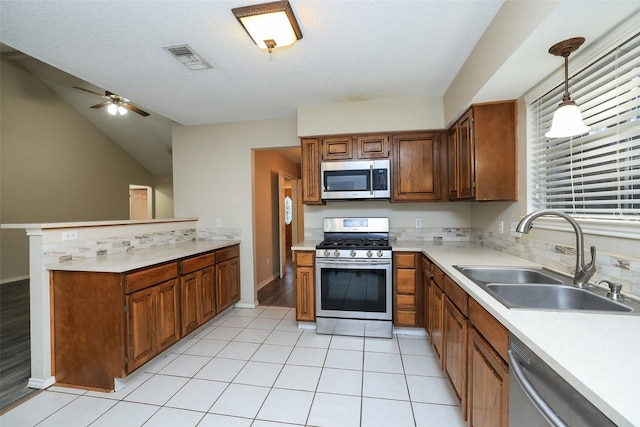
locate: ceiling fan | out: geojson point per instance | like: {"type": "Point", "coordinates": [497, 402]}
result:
{"type": "Point", "coordinates": [115, 104]}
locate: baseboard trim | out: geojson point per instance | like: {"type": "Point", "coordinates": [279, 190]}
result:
{"type": "Point", "coordinates": [41, 383]}
{"type": "Point", "coordinates": [268, 280]}
{"type": "Point", "coordinates": [14, 279]}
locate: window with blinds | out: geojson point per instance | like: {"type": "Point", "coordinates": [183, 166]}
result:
{"type": "Point", "coordinates": [596, 175]}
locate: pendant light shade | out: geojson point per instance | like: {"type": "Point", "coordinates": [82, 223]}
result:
{"type": "Point", "coordinates": [567, 120]}
{"type": "Point", "coordinates": [269, 24]}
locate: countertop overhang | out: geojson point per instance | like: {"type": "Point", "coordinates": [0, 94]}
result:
{"type": "Point", "coordinates": [596, 353]}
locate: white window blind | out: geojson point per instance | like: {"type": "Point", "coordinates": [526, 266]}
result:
{"type": "Point", "coordinates": [596, 175]}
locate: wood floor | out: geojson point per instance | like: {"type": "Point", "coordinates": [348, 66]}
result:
{"type": "Point", "coordinates": [15, 352]}
{"type": "Point", "coordinates": [280, 292]}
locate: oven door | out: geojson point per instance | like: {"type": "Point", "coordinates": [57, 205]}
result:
{"type": "Point", "coordinates": [354, 289]}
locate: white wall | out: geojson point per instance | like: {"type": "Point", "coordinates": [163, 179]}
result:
{"type": "Point", "coordinates": [212, 169]}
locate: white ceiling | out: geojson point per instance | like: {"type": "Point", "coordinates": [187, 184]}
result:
{"type": "Point", "coordinates": [351, 50]}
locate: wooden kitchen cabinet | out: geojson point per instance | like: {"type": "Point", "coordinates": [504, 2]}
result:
{"type": "Point", "coordinates": [407, 290]}
{"type": "Point", "coordinates": [337, 147]}
{"type": "Point", "coordinates": [372, 146]}
{"type": "Point", "coordinates": [455, 330]}
{"type": "Point", "coordinates": [197, 285]}
{"type": "Point", "coordinates": [416, 167]}
{"type": "Point", "coordinates": [305, 289]}
{"type": "Point", "coordinates": [227, 277]}
{"type": "Point", "coordinates": [482, 153]}
{"type": "Point", "coordinates": [427, 275]}
{"type": "Point", "coordinates": [310, 168]}
{"type": "Point", "coordinates": [152, 322]}
{"type": "Point", "coordinates": [488, 370]}
{"type": "Point", "coordinates": [436, 311]}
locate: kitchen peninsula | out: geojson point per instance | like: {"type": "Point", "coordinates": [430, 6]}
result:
{"type": "Point", "coordinates": [108, 296]}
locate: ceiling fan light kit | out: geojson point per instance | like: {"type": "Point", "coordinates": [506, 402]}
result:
{"type": "Point", "coordinates": [567, 119]}
{"type": "Point", "coordinates": [269, 25]}
{"type": "Point", "coordinates": [116, 104]}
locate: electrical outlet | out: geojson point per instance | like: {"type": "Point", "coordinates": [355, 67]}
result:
{"type": "Point", "coordinates": [218, 222]}
{"type": "Point", "coordinates": [267, 260]}
{"type": "Point", "coordinates": [234, 200]}
{"type": "Point", "coordinates": [70, 235]}
{"type": "Point", "coordinates": [501, 227]}
{"type": "Point", "coordinates": [418, 223]}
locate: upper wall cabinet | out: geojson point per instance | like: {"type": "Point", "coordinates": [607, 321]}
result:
{"type": "Point", "coordinates": [347, 147]}
{"type": "Point", "coordinates": [416, 167]}
{"type": "Point", "coordinates": [482, 153]}
{"type": "Point", "coordinates": [310, 148]}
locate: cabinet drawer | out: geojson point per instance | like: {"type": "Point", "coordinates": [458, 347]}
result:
{"type": "Point", "coordinates": [457, 295]}
{"type": "Point", "coordinates": [492, 330]}
{"type": "Point", "coordinates": [227, 253]}
{"type": "Point", "coordinates": [406, 281]}
{"type": "Point", "coordinates": [405, 303]}
{"type": "Point", "coordinates": [407, 318]}
{"type": "Point", "coordinates": [198, 262]}
{"type": "Point", "coordinates": [404, 260]}
{"type": "Point", "coordinates": [304, 259]}
{"type": "Point", "coordinates": [438, 277]}
{"type": "Point", "coordinates": [150, 276]}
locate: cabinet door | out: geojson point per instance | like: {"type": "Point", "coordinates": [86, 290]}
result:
{"type": "Point", "coordinates": [207, 294]}
{"type": "Point", "coordinates": [426, 284]}
{"type": "Point", "coordinates": [190, 294]}
{"type": "Point", "coordinates": [337, 148]}
{"type": "Point", "coordinates": [436, 301]}
{"type": "Point", "coordinates": [168, 325]}
{"type": "Point", "coordinates": [455, 350]}
{"type": "Point", "coordinates": [311, 171]}
{"type": "Point", "coordinates": [488, 402]}
{"type": "Point", "coordinates": [372, 146]}
{"type": "Point", "coordinates": [305, 294]}
{"type": "Point", "coordinates": [466, 157]}
{"type": "Point", "coordinates": [227, 283]}
{"type": "Point", "coordinates": [141, 326]}
{"type": "Point", "coordinates": [452, 162]}
{"type": "Point", "coordinates": [416, 167]}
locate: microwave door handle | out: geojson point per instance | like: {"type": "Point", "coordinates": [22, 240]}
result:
{"type": "Point", "coordinates": [371, 184]}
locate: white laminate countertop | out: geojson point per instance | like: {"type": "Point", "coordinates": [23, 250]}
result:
{"type": "Point", "coordinates": [119, 263]}
{"type": "Point", "coordinates": [598, 354]}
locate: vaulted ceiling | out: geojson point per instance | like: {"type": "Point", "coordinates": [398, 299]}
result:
{"type": "Point", "coordinates": [350, 50]}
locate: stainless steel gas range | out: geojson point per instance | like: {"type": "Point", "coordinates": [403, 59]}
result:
{"type": "Point", "coordinates": [354, 278]}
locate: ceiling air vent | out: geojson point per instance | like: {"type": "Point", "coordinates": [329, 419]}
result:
{"type": "Point", "coordinates": [188, 57]}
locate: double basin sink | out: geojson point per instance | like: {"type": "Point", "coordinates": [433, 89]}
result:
{"type": "Point", "coordinates": [541, 288]}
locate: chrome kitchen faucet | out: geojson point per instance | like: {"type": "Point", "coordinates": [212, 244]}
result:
{"type": "Point", "coordinates": [583, 271]}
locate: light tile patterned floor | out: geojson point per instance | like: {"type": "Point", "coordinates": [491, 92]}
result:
{"type": "Point", "coordinates": [254, 367]}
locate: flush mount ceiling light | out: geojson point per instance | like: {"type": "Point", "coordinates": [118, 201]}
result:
{"type": "Point", "coordinates": [269, 24]}
{"type": "Point", "coordinates": [567, 120]}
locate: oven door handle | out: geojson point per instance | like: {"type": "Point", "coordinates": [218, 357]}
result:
{"type": "Point", "coordinates": [352, 262]}
{"type": "Point", "coordinates": [532, 393]}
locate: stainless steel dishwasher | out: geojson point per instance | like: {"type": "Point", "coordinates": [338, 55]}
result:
{"type": "Point", "coordinates": [539, 397]}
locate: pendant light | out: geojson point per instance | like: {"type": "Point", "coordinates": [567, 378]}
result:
{"type": "Point", "coordinates": [567, 120]}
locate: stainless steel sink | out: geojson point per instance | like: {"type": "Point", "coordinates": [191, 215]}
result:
{"type": "Point", "coordinates": [511, 275]}
{"type": "Point", "coordinates": [552, 297]}
{"type": "Point", "coordinates": [540, 288]}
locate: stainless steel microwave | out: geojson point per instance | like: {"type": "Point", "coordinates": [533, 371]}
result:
{"type": "Point", "coordinates": [359, 179]}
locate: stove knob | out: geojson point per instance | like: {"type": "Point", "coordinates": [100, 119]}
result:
{"type": "Point", "coordinates": [369, 253]}
{"type": "Point", "coordinates": [380, 253]}
{"type": "Point", "coordinates": [326, 252]}
{"type": "Point", "coordinates": [352, 253]}
{"type": "Point", "coordinates": [336, 253]}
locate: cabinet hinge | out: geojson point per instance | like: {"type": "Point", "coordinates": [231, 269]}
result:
{"type": "Point", "coordinates": [126, 361]}
{"type": "Point", "coordinates": [124, 308]}
{"type": "Point", "coordinates": [473, 185]}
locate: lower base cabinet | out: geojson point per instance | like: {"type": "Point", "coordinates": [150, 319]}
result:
{"type": "Point", "coordinates": [305, 287]}
{"type": "Point", "coordinates": [153, 322]}
{"type": "Point", "coordinates": [488, 403]}
{"type": "Point", "coordinates": [227, 277]}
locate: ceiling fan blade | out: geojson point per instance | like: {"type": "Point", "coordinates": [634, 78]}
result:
{"type": "Point", "coordinates": [102, 104]}
{"type": "Point", "coordinates": [87, 90]}
{"type": "Point", "coordinates": [135, 109]}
